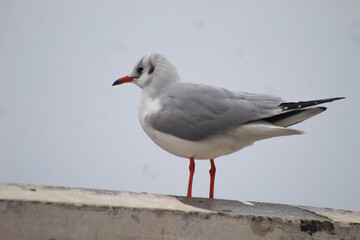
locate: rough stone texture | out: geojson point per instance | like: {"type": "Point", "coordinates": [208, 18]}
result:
{"type": "Point", "coordinates": [52, 213]}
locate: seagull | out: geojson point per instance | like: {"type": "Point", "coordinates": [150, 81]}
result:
{"type": "Point", "coordinates": [197, 121]}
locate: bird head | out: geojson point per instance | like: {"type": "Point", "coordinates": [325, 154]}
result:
{"type": "Point", "coordinates": [150, 68]}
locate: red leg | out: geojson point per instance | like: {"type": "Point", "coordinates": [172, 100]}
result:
{"type": "Point", "coordinates": [212, 172]}
{"type": "Point", "coordinates": [192, 170]}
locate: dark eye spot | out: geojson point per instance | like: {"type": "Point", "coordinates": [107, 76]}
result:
{"type": "Point", "coordinates": [151, 70]}
{"type": "Point", "coordinates": [140, 69]}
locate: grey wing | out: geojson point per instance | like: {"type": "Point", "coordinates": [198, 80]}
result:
{"type": "Point", "coordinates": [194, 112]}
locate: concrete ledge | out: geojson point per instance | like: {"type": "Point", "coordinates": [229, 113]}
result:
{"type": "Point", "coordinates": [49, 213]}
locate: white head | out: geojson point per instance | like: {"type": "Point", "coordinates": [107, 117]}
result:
{"type": "Point", "coordinates": [151, 70]}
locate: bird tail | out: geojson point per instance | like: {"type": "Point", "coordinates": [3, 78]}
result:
{"type": "Point", "coordinates": [289, 118]}
{"type": "Point", "coordinates": [295, 112]}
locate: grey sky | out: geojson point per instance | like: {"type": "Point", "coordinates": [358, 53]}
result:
{"type": "Point", "coordinates": [62, 123]}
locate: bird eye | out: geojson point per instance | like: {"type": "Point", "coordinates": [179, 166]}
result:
{"type": "Point", "coordinates": [140, 69]}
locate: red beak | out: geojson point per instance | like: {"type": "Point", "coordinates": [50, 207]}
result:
{"type": "Point", "coordinates": [123, 80]}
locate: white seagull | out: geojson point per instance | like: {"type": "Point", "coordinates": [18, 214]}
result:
{"type": "Point", "coordinates": [198, 121]}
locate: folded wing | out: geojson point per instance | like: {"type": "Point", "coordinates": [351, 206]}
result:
{"type": "Point", "coordinates": [195, 112]}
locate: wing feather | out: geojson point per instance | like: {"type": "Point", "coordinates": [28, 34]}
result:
{"type": "Point", "coordinates": [194, 112]}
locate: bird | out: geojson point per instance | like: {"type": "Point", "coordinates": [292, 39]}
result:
{"type": "Point", "coordinates": [197, 121]}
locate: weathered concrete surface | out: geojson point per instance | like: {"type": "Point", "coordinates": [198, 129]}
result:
{"type": "Point", "coordinates": [49, 213]}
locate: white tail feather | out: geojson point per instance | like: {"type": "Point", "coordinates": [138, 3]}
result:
{"type": "Point", "coordinates": [299, 117]}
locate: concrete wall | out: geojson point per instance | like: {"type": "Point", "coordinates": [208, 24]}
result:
{"type": "Point", "coordinates": [54, 213]}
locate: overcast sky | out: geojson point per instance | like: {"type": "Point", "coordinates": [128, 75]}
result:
{"type": "Point", "coordinates": [62, 123]}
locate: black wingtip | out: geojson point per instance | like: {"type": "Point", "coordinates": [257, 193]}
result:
{"type": "Point", "coordinates": [306, 104]}
{"type": "Point", "coordinates": [337, 98]}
